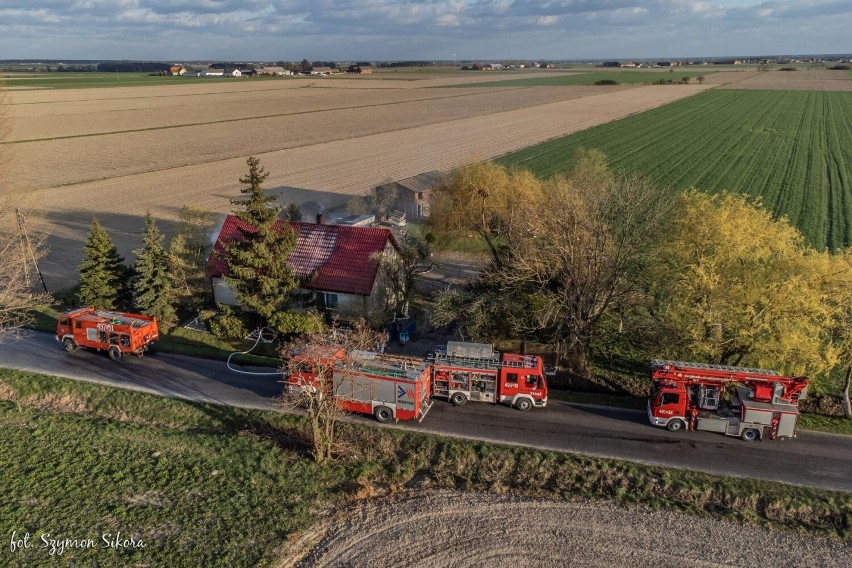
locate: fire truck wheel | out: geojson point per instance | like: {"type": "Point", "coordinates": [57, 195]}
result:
{"type": "Point", "coordinates": [458, 399]}
{"type": "Point", "coordinates": [523, 404]}
{"type": "Point", "coordinates": [750, 435]}
{"type": "Point", "coordinates": [114, 353]}
{"type": "Point", "coordinates": [383, 414]}
{"type": "Point", "coordinates": [69, 345]}
{"type": "Point", "coordinates": [674, 425]}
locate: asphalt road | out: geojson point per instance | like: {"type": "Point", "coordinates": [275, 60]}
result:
{"type": "Point", "coordinates": [813, 459]}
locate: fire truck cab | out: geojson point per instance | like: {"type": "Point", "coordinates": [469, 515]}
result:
{"type": "Point", "coordinates": [736, 401]}
{"type": "Point", "coordinates": [116, 333]}
{"type": "Point", "coordinates": [475, 372]}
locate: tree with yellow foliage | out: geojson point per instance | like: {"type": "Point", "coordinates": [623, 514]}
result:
{"type": "Point", "coordinates": [737, 286]}
{"type": "Point", "coordinates": [839, 294]}
{"type": "Point", "coordinates": [485, 198]}
{"type": "Point", "coordinates": [566, 251]}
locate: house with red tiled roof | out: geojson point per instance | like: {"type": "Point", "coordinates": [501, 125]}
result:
{"type": "Point", "coordinates": [336, 264]}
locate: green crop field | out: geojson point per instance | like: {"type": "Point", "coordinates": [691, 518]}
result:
{"type": "Point", "coordinates": [793, 148]}
{"type": "Point", "coordinates": [624, 77]}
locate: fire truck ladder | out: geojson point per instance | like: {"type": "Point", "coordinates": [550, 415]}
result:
{"type": "Point", "coordinates": [709, 367]}
{"type": "Point", "coordinates": [122, 319]}
{"type": "Point", "coordinates": [481, 362]}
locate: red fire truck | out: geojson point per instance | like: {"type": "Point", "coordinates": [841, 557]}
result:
{"type": "Point", "coordinates": [474, 371]}
{"type": "Point", "coordinates": [116, 333]}
{"type": "Point", "coordinates": [388, 387]}
{"type": "Point", "coordinates": [737, 401]}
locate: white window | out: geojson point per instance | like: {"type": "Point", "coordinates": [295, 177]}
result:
{"type": "Point", "coordinates": [329, 301]}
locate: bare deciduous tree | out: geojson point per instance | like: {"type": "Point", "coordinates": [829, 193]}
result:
{"type": "Point", "coordinates": [579, 250]}
{"type": "Point", "coordinates": [18, 277]}
{"type": "Point", "coordinates": [314, 365]}
{"type": "Point", "coordinates": [399, 271]}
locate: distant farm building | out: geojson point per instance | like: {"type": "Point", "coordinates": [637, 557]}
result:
{"type": "Point", "coordinates": [413, 193]}
{"type": "Point", "coordinates": [176, 70]}
{"type": "Point", "coordinates": [322, 71]}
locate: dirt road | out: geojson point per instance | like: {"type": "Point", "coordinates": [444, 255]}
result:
{"type": "Point", "coordinates": [467, 529]}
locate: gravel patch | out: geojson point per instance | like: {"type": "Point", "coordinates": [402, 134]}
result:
{"type": "Point", "coordinates": [469, 529]}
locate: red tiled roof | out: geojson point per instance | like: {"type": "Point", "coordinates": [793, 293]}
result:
{"type": "Point", "coordinates": [332, 258]}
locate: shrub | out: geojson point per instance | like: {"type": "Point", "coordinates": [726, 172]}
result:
{"type": "Point", "coordinates": [606, 82]}
{"type": "Point", "coordinates": [224, 322]}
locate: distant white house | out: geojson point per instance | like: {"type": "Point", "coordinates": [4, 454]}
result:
{"type": "Point", "coordinates": [235, 73]}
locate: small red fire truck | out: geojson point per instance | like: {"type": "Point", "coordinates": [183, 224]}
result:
{"type": "Point", "coordinates": [114, 332]}
{"type": "Point", "coordinates": [474, 371]}
{"type": "Point", "coordinates": [388, 387]}
{"type": "Point", "coordinates": [737, 401]}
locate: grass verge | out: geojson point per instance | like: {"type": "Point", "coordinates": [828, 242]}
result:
{"type": "Point", "coordinates": [217, 486]}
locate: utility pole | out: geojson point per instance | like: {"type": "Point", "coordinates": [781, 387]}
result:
{"type": "Point", "coordinates": [27, 249]}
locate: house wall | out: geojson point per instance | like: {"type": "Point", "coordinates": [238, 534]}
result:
{"type": "Point", "coordinates": [222, 293]}
{"type": "Point", "coordinates": [415, 207]}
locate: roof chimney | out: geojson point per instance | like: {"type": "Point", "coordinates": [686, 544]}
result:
{"type": "Point", "coordinates": [320, 218]}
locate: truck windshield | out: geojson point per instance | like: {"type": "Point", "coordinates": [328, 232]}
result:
{"type": "Point", "coordinates": [669, 398]}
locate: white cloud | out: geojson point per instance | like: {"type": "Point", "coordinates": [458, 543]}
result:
{"type": "Point", "coordinates": [420, 29]}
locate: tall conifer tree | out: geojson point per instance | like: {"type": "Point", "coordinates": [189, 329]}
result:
{"type": "Point", "coordinates": [102, 270]}
{"type": "Point", "coordinates": [153, 286]}
{"type": "Point", "coordinates": [257, 261]}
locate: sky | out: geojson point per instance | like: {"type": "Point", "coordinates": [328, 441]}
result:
{"type": "Point", "coordinates": [379, 30]}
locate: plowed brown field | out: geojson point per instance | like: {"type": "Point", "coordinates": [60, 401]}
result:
{"type": "Point", "coordinates": [467, 529]}
{"type": "Point", "coordinates": [799, 80]}
{"type": "Point", "coordinates": [116, 153]}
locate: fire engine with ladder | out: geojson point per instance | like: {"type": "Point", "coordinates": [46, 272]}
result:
{"type": "Point", "coordinates": [386, 386]}
{"type": "Point", "coordinates": [475, 372]}
{"type": "Point", "coordinates": [752, 404]}
{"type": "Point", "coordinates": [117, 333]}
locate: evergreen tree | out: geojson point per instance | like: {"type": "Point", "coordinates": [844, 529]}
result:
{"type": "Point", "coordinates": [257, 261]}
{"type": "Point", "coordinates": [293, 213]}
{"type": "Point", "coordinates": [189, 280]}
{"type": "Point", "coordinates": [153, 286]}
{"type": "Point", "coordinates": [102, 271]}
